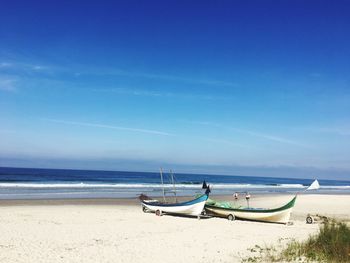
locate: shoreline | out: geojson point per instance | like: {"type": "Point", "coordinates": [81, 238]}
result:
{"type": "Point", "coordinates": [122, 200]}
{"type": "Point", "coordinates": [187, 196]}
{"type": "Point", "coordinates": [135, 200]}
{"type": "Point", "coordinates": [325, 207]}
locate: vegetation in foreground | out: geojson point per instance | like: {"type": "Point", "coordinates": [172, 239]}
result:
{"type": "Point", "coordinates": [330, 244]}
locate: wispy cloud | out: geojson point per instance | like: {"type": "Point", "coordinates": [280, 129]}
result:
{"type": "Point", "coordinates": [135, 92]}
{"type": "Point", "coordinates": [104, 126]}
{"type": "Point", "coordinates": [8, 84]}
{"type": "Point", "coordinates": [340, 131]}
{"type": "Point", "coordinates": [20, 66]}
{"type": "Point", "coordinates": [253, 133]}
{"type": "Point", "coordinates": [5, 65]}
{"type": "Point", "coordinates": [156, 93]}
{"type": "Point", "coordinates": [119, 72]}
{"type": "Point", "coordinates": [80, 71]}
{"type": "Point", "coordinates": [226, 142]}
{"type": "Point", "coordinates": [335, 130]}
{"type": "Point", "coordinates": [268, 137]}
{"type": "Point", "coordinates": [13, 72]}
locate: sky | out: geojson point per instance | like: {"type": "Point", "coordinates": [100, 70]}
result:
{"type": "Point", "coordinates": [228, 87]}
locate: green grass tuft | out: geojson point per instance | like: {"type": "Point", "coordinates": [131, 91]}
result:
{"type": "Point", "coordinates": [330, 244]}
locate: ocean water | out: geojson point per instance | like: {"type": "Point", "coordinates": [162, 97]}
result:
{"type": "Point", "coordinates": [29, 183]}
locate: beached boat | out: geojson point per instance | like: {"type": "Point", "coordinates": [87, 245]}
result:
{"type": "Point", "coordinates": [273, 215]}
{"type": "Point", "coordinates": [193, 207]}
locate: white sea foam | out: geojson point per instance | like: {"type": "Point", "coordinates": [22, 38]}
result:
{"type": "Point", "coordinates": [130, 186]}
{"type": "Point", "coordinates": [228, 186]}
{"type": "Point", "coordinates": [335, 187]}
{"type": "Point", "coordinates": [75, 185]}
{"type": "Point", "coordinates": [90, 185]}
{"type": "Point", "coordinates": [155, 186]}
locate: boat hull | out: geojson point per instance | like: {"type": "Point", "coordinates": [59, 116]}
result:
{"type": "Point", "coordinates": [277, 215]}
{"type": "Point", "coordinates": [192, 208]}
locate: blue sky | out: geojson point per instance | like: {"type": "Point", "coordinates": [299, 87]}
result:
{"type": "Point", "coordinates": [232, 87]}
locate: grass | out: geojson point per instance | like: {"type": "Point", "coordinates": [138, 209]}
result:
{"type": "Point", "coordinates": [330, 244]}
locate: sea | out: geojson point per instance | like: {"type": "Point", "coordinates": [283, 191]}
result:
{"type": "Point", "coordinates": [30, 183]}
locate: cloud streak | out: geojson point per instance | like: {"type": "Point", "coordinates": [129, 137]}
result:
{"type": "Point", "coordinates": [269, 137]}
{"type": "Point", "coordinates": [25, 69]}
{"type": "Point", "coordinates": [119, 72]}
{"type": "Point", "coordinates": [226, 142]}
{"type": "Point", "coordinates": [341, 131]}
{"type": "Point", "coordinates": [155, 93]}
{"type": "Point", "coordinates": [254, 134]}
{"type": "Point", "coordinates": [19, 66]}
{"type": "Point", "coordinates": [8, 84]}
{"type": "Point", "coordinates": [104, 126]}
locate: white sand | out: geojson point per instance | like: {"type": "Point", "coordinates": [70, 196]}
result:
{"type": "Point", "coordinates": [122, 233]}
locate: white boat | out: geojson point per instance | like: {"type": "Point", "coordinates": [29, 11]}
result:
{"type": "Point", "coordinates": [193, 207]}
{"type": "Point", "coordinates": [273, 215]}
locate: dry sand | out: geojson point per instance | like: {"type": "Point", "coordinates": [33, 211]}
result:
{"type": "Point", "coordinates": [117, 231]}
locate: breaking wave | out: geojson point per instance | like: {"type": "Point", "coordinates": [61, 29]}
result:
{"type": "Point", "coordinates": [130, 186]}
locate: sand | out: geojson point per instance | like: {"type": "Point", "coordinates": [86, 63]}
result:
{"type": "Point", "coordinates": [118, 231]}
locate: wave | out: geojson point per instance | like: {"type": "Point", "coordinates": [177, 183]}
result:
{"type": "Point", "coordinates": [140, 185]}
{"type": "Point", "coordinates": [335, 187]}
{"type": "Point", "coordinates": [226, 186]}
{"type": "Point", "coordinates": [76, 185]}
{"type": "Point", "coordinates": [156, 186]}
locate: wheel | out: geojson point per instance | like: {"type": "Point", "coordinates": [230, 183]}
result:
{"type": "Point", "coordinates": [231, 217]}
{"type": "Point", "coordinates": [158, 213]}
{"type": "Point", "coordinates": [144, 209]}
{"type": "Point", "coordinates": [309, 220]}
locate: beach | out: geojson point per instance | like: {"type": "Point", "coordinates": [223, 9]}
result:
{"type": "Point", "coordinates": [116, 230]}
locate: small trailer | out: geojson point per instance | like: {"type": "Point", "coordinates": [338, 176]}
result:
{"type": "Point", "coordinates": [316, 219]}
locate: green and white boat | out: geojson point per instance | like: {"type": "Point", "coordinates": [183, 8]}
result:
{"type": "Point", "coordinates": [274, 215]}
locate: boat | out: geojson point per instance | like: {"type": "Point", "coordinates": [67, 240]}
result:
{"type": "Point", "coordinates": [314, 186]}
{"type": "Point", "coordinates": [192, 207]}
{"type": "Point", "coordinates": [273, 215]}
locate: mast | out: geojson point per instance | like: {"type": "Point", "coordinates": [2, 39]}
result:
{"type": "Point", "coordinates": [173, 181]}
{"type": "Point", "coordinates": [161, 179]}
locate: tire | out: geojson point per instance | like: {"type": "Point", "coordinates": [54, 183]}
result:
{"type": "Point", "coordinates": [309, 220]}
{"type": "Point", "coordinates": [158, 213]}
{"type": "Point", "coordinates": [144, 209]}
{"type": "Point", "coordinates": [231, 217]}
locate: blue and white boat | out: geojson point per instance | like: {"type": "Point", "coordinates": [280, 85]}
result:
{"type": "Point", "coordinates": [192, 208]}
